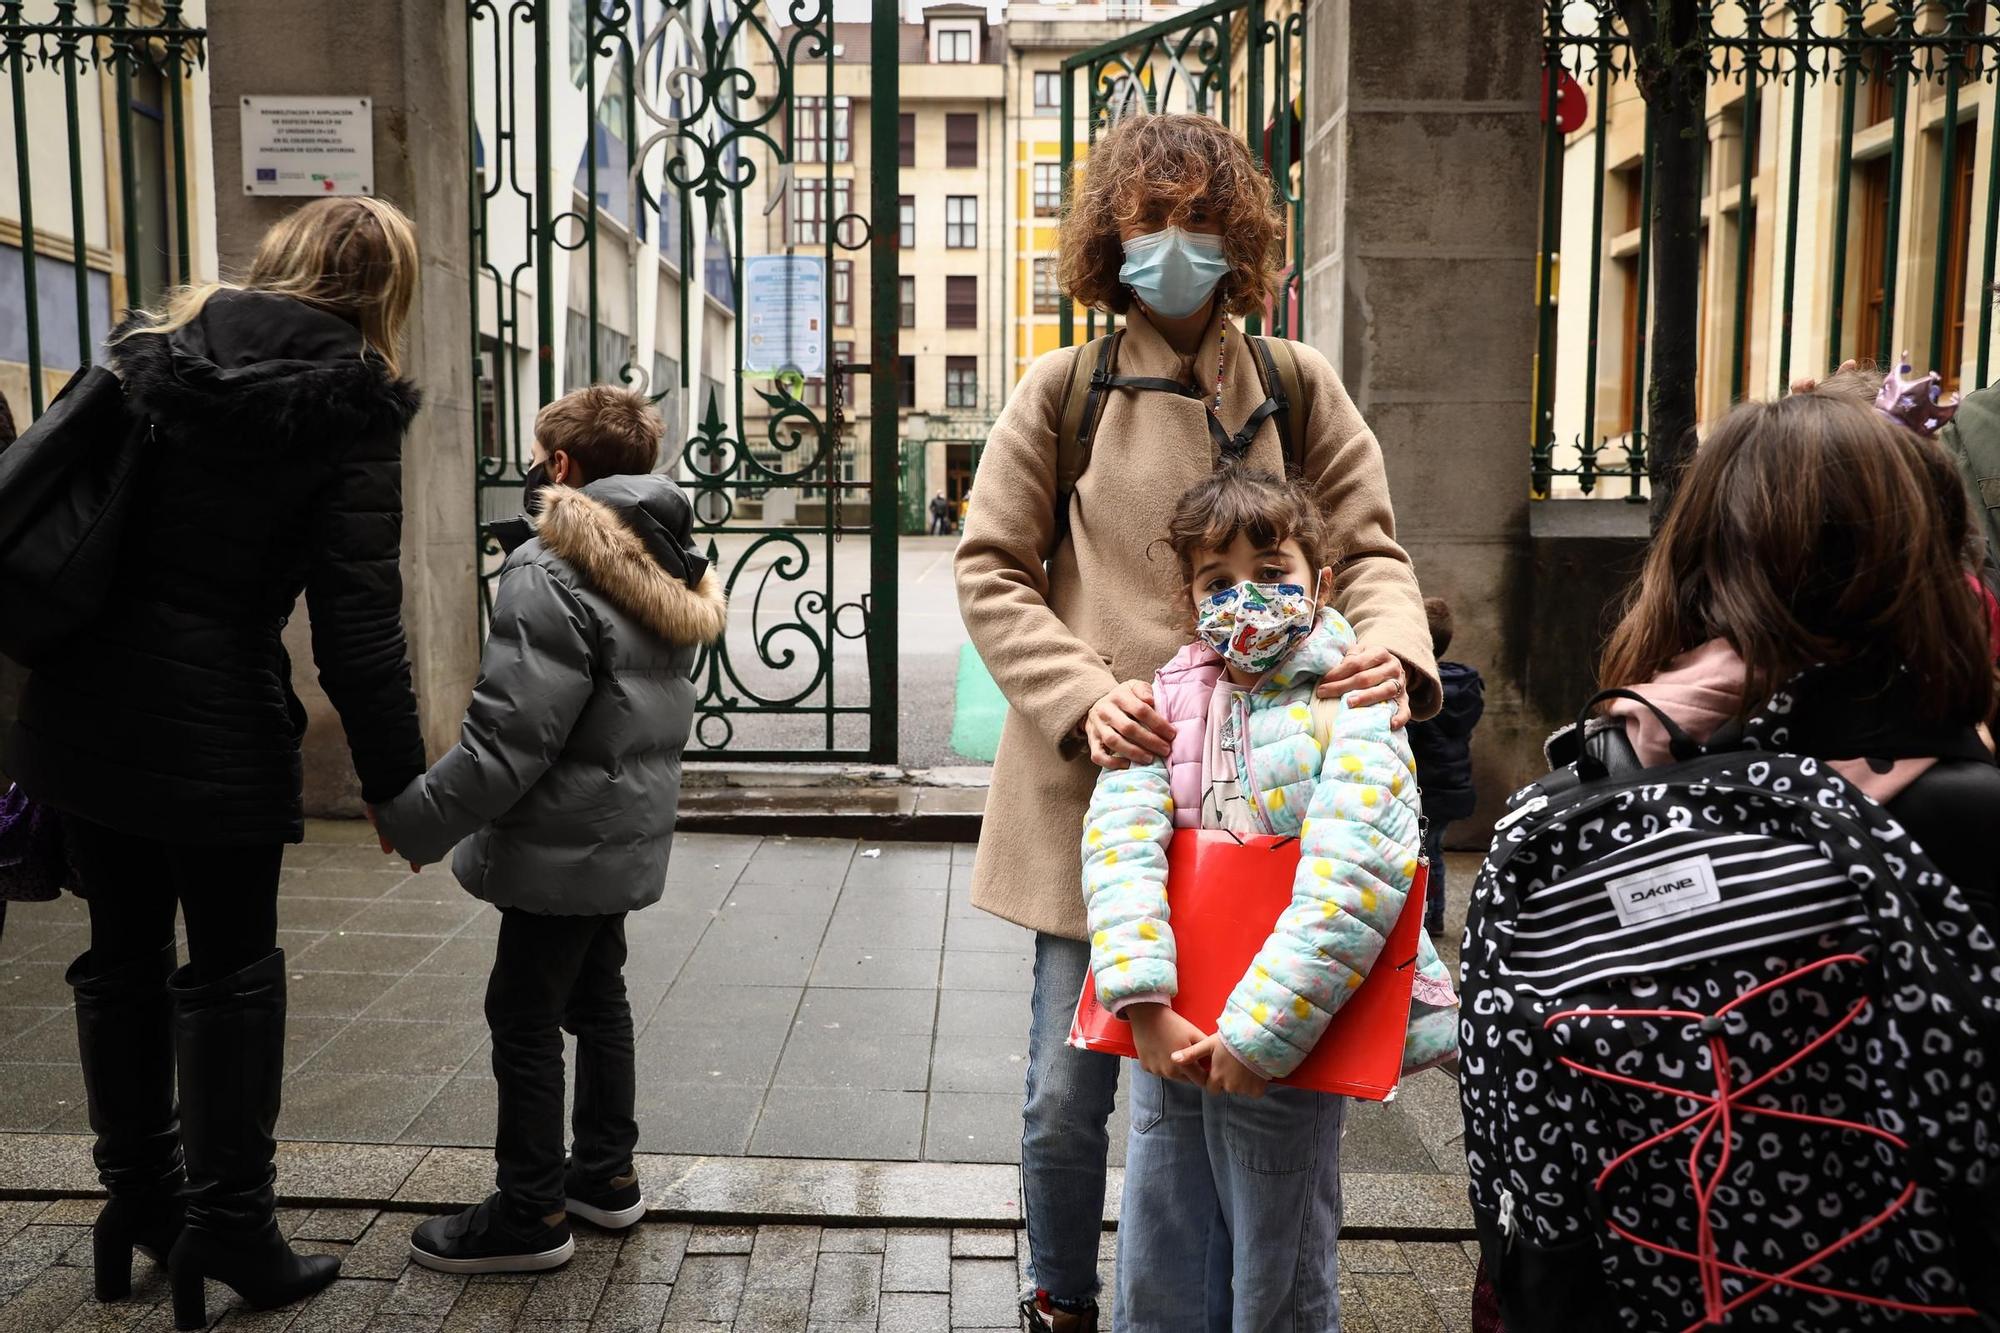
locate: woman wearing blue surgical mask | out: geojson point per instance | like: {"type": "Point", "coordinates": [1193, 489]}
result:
{"type": "Point", "coordinates": [1174, 228]}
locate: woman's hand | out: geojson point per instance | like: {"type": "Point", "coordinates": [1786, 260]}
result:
{"type": "Point", "coordinates": [1123, 729]}
{"type": "Point", "coordinates": [1226, 1073]}
{"type": "Point", "coordinates": [1372, 676]}
{"type": "Point", "coordinates": [1162, 1036]}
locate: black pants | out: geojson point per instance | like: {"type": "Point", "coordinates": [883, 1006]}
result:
{"type": "Point", "coordinates": [1434, 890]}
{"type": "Point", "coordinates": [228, 897]}
{"type": "Point", "coordinates": [552, 973]}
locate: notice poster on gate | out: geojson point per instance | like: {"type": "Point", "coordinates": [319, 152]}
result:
{"type": "Point", "coordinates": [308, 145]}
{"type": "Point", "coordinates": [784, 314]}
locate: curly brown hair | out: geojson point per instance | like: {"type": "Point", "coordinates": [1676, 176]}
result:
{"type": "Point", "coordinates": [1164, 171]}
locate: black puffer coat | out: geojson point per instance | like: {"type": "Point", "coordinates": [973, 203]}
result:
{"type": "Point", "coordinates": [278, 469]}
{"type": "Point", "coordinates": [1442, 745]}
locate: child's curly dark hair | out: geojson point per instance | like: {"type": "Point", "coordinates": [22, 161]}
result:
{"type": "Point", "coordinates": [1164, 171]}
{"type": "Point", "coordinates": [1236, 500]}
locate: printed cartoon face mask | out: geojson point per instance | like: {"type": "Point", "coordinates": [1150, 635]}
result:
{"type": "Point", "coordinates": [1254, 625]}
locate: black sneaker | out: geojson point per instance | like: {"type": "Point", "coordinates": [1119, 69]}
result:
{"type": "Point", "coordinates": [490, 1238]}
{"type": "Point", "coordinates": [615, 1205]}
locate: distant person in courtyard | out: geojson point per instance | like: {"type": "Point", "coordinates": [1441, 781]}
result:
{"type": "Point", "coordinates": [1232, 1185]}
{"type": "Point", "coordinates": [940, 515]}
{"type": "Point", "coordinates": [1072, 602]}
{"type": "Point", "coordinates": [561, 797]}
{"type": "Point", "coordinates": [167, 734]}
{"type": "Point", "coordinates": [1443, 749]}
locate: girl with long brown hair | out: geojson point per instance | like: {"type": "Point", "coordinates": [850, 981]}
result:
{"type": "Point", "coordinates": [166, 734]}
{"type": "Point", "coordinates": [1818, 547]}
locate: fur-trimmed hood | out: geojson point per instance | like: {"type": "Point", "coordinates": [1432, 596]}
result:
{"type": "Point", "coordinates": [261, 365]}
{"type": "Point", "coordinates": [630, 537]}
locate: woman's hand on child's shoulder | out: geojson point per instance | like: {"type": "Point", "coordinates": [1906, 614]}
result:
{"type": "Point", "coordinates": [1371, 676]}
{"type": "Point", "coordinates": [1124, 729]}
{"type": "Point", "coordinates": [1226, 1073]}
{"type": "Point", "coordinates": [1160, 1033]}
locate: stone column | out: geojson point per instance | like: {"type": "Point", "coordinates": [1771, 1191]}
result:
{"type": "Point", "coordinates": [1423, 160]}
{"type": "Point", "coordinates": [410, 59]}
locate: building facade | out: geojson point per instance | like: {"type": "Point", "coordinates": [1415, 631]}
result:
{"type": "Point", "coordinates": [1838, 220]}
{"type": "Point", "coordinates": [134, 160]}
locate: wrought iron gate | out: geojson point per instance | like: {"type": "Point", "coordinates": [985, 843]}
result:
{"type": "Point", "coordinates": [1241, 61]}
{"type": "Point", "coordinates": [626, 157]}
{"type": "Point", "coordinates": [117, 220]}
{"type": "Point", "coordinates": [1849, 209]}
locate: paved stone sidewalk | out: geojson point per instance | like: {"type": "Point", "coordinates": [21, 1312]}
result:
{"type": "Point", "coordinates": [795, 998]}
{"type": "Point", "coordinates": [660, 1278]}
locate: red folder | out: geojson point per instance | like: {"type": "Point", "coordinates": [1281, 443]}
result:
{"type": "Point", "coordinates": [1224, 896]}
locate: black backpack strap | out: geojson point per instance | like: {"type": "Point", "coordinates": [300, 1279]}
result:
{"type": "Point", "coordinates": [1278, 368]}
{"type": "Point", "coordinates": [1076, 420]}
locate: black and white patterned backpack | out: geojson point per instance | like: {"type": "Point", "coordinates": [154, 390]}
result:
{"type": "Point", "coordinates": [1731, 1054]}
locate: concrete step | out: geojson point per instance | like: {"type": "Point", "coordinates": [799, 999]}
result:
{"type": "Point", "coordinates": [882, 803]}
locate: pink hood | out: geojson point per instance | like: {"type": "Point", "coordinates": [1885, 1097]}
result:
{"type": "Point", "coordinates": [1702, 689]}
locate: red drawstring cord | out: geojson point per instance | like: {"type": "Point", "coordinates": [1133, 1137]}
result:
{"type": "Point", "coordinates": [1716, 1120]}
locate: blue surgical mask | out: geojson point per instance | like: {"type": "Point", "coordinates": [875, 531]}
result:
{"type": "Point", "coordinates": [1173, 271]}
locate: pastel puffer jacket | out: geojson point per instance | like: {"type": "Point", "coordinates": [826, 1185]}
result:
{"type": "Point", "coordinates": [1355, 810]}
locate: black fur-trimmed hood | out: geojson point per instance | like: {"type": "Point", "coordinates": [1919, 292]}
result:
{"type": "Point", "coordinates": [259, 364]}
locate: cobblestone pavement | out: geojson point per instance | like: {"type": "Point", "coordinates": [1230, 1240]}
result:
{"type": "Point", "coordinates": [795, 998]}
{"type": "Point", "coordinates": [659, 1278]}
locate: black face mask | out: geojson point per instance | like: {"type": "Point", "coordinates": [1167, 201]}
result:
{"type": "Point", "coordinates": [531, 488]}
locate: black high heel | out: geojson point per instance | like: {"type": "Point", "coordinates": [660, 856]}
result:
{"type": "Point", "coordinates": [261, 1268]}
{"type": "Point", "coordinates": [126, 1226]}
{"type": "Point", "coordinates": [229, 1038]}
{"type": "Point", "coordinates": [125, 1043]}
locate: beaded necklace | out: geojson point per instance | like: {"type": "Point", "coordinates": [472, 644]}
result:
{"type": "Point", "coordinates": [1221, 347]}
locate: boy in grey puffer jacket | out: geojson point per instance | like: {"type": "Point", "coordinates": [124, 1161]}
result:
{"type": "Point", "coordinates": [561, 796]}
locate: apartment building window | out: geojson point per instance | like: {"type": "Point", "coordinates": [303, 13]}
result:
{"type": "Point", "coordinates": [907, 292]}
{"type": "Point", "coordinates": [1047, 301]}
{"type": "Point", "coordinates": [1964, 168]}
{"type": "Point", "coordinates": [1048, 90]}
{"type": "Point", "coordinates": [961, 222]}
{"type": "Point", "coordinates": [961, 140]}
{"type": "Point", "coordinates": [843, 357]}
{"type": "Point", "coordinates": [961, 381]}
{"type": "Point", "coordinates": [843, 292]}
{"type": "Point", "coordinates": [906, 221]}
{"type": "Point", "coordinates": [961, 303]}
{"type": "Point", "coordinates": [809, 209]}
{"type": "Point", "coordinates": [1048, 189]}
{"type": "Point", "coordinates": [810, 129]}
{"type": "Point", "coordinates": [906, 139]}
{"type": "Point", "coordinates": [953, 46]}
{"type": "Point", "coordinates": [1875, 203]}
{"type": "Point", "coordinates": [906, 381]}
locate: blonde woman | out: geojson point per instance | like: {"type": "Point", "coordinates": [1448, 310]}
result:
{"type": "Point", "coordinates": [167, 734]}
{"type": "Point", "coordinates": [1174, 227]}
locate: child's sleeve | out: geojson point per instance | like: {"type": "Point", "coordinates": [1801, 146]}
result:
{"type": "Point", "coordinates": [535, 676]}
{"type": "Point", "coordinates": [1359, 849]}
{"type": "Point", "coordinates": [1126, 832]}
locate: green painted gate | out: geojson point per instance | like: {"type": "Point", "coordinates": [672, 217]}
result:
{"type": "Point", "coordinates": [626, 157]}
{"type": "Point", "coordinates": [1241, 61]}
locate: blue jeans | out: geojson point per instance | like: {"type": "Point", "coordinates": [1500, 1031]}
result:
{"type": "Point", "coordinates": [1231, 1211]}
{"type": "Point", "coordinates": [1064, 1142]}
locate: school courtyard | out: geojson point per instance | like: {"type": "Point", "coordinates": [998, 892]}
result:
{"type": "Point", "coordinates": [831, 1050]}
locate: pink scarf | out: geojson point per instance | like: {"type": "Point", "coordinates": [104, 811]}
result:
{"type": "Point", "coordinates": [1702, 689]}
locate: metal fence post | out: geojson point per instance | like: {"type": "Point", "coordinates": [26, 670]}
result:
{"type": "Point", "coordinates": [883, 328]}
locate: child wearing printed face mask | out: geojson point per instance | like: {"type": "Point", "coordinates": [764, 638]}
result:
{"type": "Point", "coordinates": [1218, 1161]}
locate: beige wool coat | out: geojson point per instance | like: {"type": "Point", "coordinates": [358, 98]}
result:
{"type": "Point", "coordinates": [1111, 607]}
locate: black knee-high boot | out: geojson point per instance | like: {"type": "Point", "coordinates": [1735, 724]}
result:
{"type": "Point", "coordinates": [125, 1040]}
{"type": "Point", "coordinates": [229, 1036]}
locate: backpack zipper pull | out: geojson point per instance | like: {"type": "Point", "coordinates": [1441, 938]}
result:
{"type": "Point", "coordinates": [1519, 813]}
{"type": "Point", "coordinates": [1510, 1225]}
